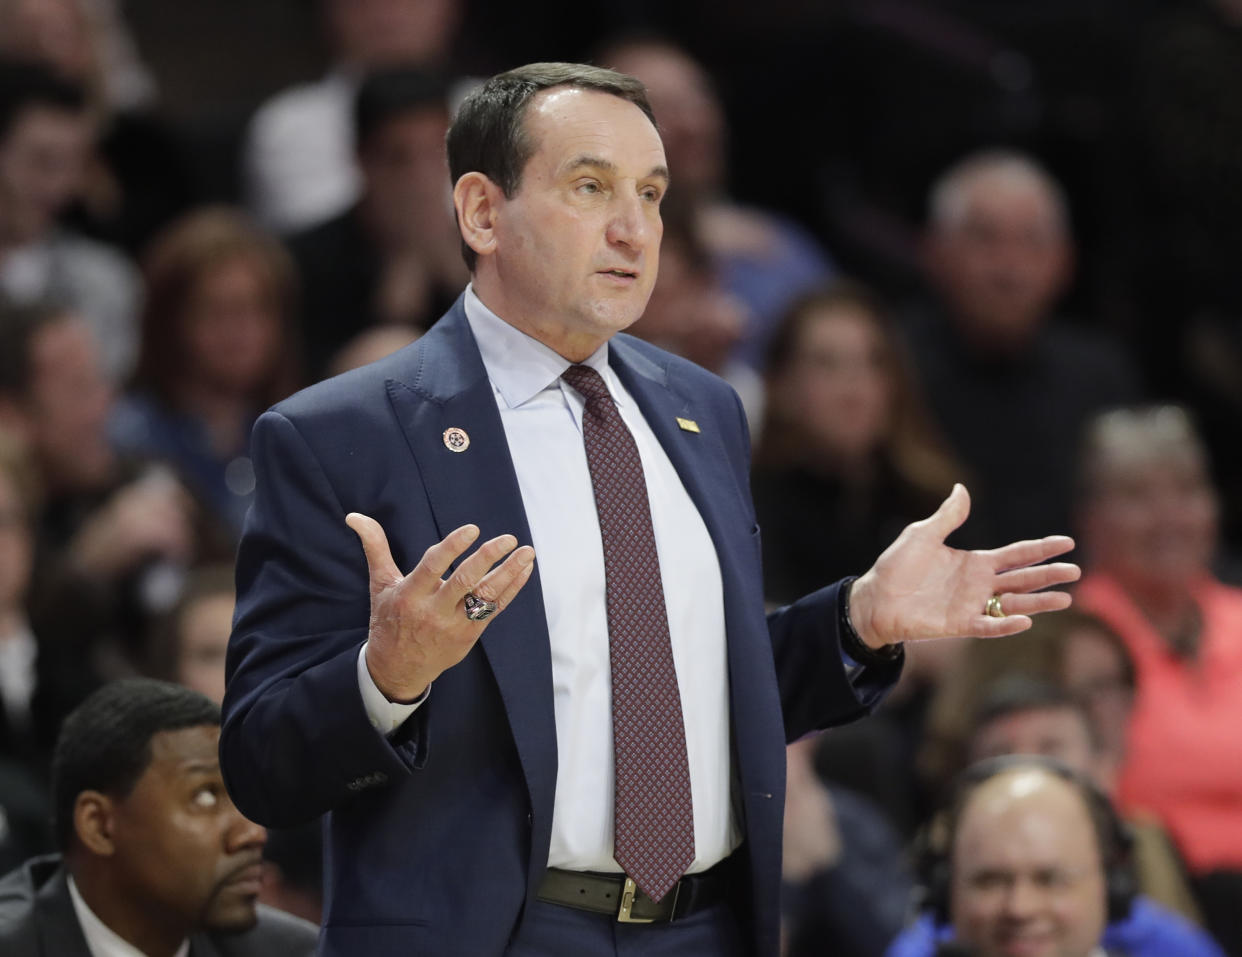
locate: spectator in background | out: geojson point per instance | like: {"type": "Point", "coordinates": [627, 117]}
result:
{"type": "Point", "coordinates": [189, 649]}
{"type": "Point", "coordinates": [114, 535]}
{"type": "Point", "coordinates": [218, 347]}
{"type": "Point", "coordinates": [999, 253]}
{"type": "Point", "coordinates": [848, 453]}
{"type": "Point", "coordinates": [1149, 519]}
{"type": "Point", "coordinates": [765, 261]}
{"type": "Point", "coordinates": [155, 859]}
{"type": "Point", "coordinates": [371, 345]}
{"type": "Point", "coordinates": [1072, 650]}
{"type": "Point", "coordinates": [847, 457]}
{"type": "Point", "coordinates": [845, 885]}
{"type": "Point", "coordinates": [1020, 715]}
{"type": "Point", "coordinates": [299, 153]}
{"type": "Point", "coordinates": [25, 742]}
{"type": "Point", "coordinates": [394, 256]}
{"type": "Point", "coordinates": [45, 139]}
{"type": "Point", "coordinates": [190, 641]}
{"type": "Point", "coordinates": [19, 653]}
{"type": "Point", "coordinates": [137, 177]}
{"type": "Point", "coordinates": [1031, 859]}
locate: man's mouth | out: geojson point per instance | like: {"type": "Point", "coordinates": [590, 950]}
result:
{"type": "Point", "coordinates": [247, 879]}
{"type": "Point", "coordinates": [619, 273]}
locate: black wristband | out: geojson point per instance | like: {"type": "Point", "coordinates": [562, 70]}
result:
{"type": "Point", "coordinates": [852, 644]}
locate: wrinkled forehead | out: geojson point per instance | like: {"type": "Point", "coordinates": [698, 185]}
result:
{"type": "Point", "coordinates": [564, 120]}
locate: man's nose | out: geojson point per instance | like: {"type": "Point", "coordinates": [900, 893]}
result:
{"type": "Point", "coordinates": [243, 833]}
{"type": "Point", "coordinates": [1022, 900]}
{"type": "Point", "coordinates": [630, 224]}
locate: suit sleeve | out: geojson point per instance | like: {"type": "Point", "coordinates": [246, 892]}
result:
{"type": "Point", "coordinates": [296, 740]}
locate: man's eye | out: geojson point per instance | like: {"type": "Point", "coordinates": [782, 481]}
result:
{"type": "Point", "coordinates": [588, 187]}
{"type": "Point", "coordinates": [653, 196]}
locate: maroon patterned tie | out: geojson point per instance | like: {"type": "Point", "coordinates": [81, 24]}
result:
{"type": "Point", "coordinates": [654, 831]}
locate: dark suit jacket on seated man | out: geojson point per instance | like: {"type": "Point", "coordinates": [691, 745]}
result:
{"type": "Point", "coordinates": [463, 817]}
{"type": "Point", "coordinates": [157, 860]}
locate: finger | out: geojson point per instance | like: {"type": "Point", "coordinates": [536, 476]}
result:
{"type": "Point", "coordinates": [1036, 577]}
{"type": "Point", "coordinates": [1033, 604]}
{"type": "Point", "coordinates": [380, 566]}
{"type": "Point", "coordinates": [429, 571]}
{"type": "Point", "coordinates": [471, 571]}
{"type": "Point", "coordinates": [951, 513]}
{"type": "Point", "coordinates": [1019, 554]}
{"type": "Point", "coordinates": [524, 558]}
{"type": "Point", "coordinates": [984, 626]}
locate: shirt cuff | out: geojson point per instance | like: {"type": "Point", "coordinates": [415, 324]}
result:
{"type": "Point", "coordinates": [385, 716]}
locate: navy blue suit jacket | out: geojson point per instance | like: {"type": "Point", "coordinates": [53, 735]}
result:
{"type": "Point", "coordinates": [438, 836]}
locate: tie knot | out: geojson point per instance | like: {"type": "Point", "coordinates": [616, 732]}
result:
{"type": "Point", "coordinates": [589, 383]}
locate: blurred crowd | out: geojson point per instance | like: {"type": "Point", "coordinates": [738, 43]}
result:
{"type": "Point", "coordinates": [926, 242]}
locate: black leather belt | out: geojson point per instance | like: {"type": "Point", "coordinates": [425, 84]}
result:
{"type": "Point", "coordinates": [619, 897]}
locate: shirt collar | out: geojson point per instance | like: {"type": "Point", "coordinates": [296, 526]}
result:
{"type": "Point", "coordinates": [520, 366]}
{"type": "Point", "coordinates": [102, 940]}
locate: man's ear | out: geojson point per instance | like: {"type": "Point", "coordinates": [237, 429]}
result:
{"type": "Point", "coordinates": [476, 200]}
{"type": "Point", "coordinates": [93, 822]}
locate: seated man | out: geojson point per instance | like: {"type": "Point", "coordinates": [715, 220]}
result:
{"type": "Point", "coordinates": [156, 859]}
{"type": "Point", "coordinates": [1031, 859]}
{"type": "Point", "coordinates": [1021, 715]}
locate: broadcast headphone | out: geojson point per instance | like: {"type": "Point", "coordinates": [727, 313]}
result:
{"type": "Point", "coordinates": [935, 844]}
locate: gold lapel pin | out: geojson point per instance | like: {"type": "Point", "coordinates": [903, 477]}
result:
{"type": "Point", "coordinates": [456, 440]}
{"type": "Point", "coordinates": [689, 425]}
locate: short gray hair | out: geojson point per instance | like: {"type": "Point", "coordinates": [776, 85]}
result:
{"type": "Point", "coordinates": [950, 193]}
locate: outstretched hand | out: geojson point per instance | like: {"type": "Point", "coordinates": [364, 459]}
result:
{"type": "Point", "coordinates": [418, 627]}
{"type": "Point", "coordinates": [921, 588]}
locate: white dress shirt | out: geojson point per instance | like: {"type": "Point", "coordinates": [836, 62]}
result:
{"type": "Point", "coordinates": [101, 940]}
{"type": "Point", "coordinates": [542, 419]}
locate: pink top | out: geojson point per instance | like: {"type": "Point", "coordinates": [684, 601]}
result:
{"type": "Point", "coordinates": [1184, 756]}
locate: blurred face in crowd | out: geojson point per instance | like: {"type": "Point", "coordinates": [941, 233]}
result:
{"type": "Point", "coordinates": [1001, 257]}
{"type": "Point", "coordinates": [51, 31]}
{"type": "Point", "coordinates": [1027, 879]}
{"type": "Point", "coordinates": [65, 411]}
{"type": "Point", "coordinates": [16, 547]}
{"type": "Point", "coordinates": [406, 174]}
{"type": "Point", "coordinates": [1055, 732]}
{"type": "Point", "coordinates": [571, 257]}
{"type": "Point", "coordinates": [179, 846]}
{"type": "Point", "coordinates": [689, 313]}
{"type": "Point", "coordinates": [1095, 673]}
{"type": "Point", "coordinates": [839, 383]}
{"type": "Point", "coordinates": [203, 632]}
{"type": "Point", "coordinates": [41, 168]}
{"type": "Point", "coordinates": [379, 33]}
{"type": "Point", "coordinates": [685, 106]}
{"type": "Point", "coordinates": [232, 328]}
{"type": "Point", "coordinates": [1151, 517]}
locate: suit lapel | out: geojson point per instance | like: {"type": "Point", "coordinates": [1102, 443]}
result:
{"type": "Point", "coordinates": [60, 934]}
{"type": "Point", "coordinates": [449, 389]}
{"type": "Point", "coordinates": [700, 458]}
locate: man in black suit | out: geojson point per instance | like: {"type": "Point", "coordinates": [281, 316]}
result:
{"type": "Point", "coordinates": [156, 859]}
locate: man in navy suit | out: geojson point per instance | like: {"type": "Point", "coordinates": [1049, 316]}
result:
{"type": "Point", "coordinates": [466, 760]}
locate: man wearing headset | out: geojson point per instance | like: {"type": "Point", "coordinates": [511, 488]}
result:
{"type": "Point", "coordinates": [1030, 860]}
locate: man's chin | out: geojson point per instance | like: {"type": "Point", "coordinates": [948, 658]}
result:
{"type": "Point", "coordinates": [232, 915]}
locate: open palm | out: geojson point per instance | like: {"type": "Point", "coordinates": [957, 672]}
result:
{"type": "Point", "coordinates": [921, 588]}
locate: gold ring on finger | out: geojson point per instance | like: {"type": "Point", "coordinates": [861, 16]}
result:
{"type": "Point", "coordinates": [993, 607]}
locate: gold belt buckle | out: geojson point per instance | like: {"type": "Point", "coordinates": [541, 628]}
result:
{"type": "Point", "coordinates": [628, 892]}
